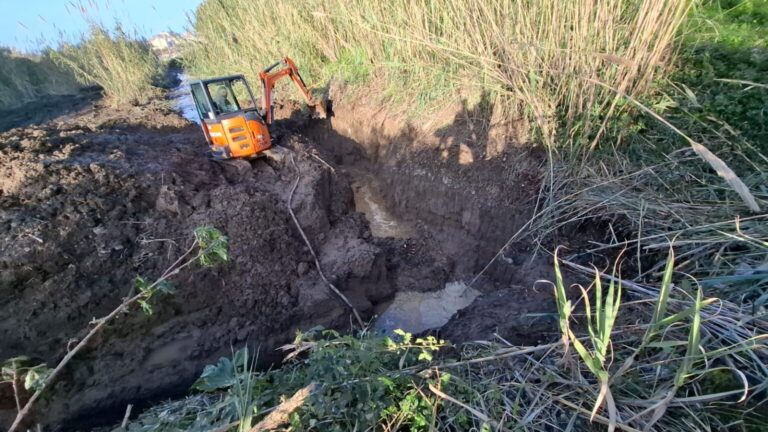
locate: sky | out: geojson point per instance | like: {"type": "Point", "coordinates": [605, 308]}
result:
{"type": "Point", "coordinates": [28, 25]}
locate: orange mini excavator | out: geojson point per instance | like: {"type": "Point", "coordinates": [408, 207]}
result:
{"type": "Point", "coordinates": [232, 123]}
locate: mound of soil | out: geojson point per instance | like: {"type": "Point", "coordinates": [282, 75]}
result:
{"type": "Point", "coordinates": [90, 201]}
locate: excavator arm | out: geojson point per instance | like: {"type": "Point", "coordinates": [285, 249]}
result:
{"type": "Point", "coordinates": [269, 78]}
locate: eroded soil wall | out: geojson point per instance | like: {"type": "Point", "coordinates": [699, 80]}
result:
{"type": "Point", "coordinates": [92, 201]}
{"type": "Point", "coordinates": [469, 185]}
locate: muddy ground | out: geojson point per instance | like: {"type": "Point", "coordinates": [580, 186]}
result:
{"type": "Point", "coordinates": [91, 200]}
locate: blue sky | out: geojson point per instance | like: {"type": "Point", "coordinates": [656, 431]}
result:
{"type": "Point", "coordinates": [29, 25]}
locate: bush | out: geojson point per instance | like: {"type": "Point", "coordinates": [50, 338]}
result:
{"type": "Point", "coordinates": [123, 66]}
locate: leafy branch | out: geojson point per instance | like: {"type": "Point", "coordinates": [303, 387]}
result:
{"type": "Point", "coordinates": [210, 247]}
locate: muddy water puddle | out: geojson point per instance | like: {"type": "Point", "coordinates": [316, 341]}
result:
{"type": "Point", "coordinates": [382, 222]}
{"type": "Point", "coordinates": [411, 311]}
{"type": "Point", "coordinates": [416, 312]}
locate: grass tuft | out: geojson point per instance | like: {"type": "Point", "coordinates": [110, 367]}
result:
{"type": "Point", "coordinates": [27, 77]}
{"type": "Point", "coordinates": [695, 370]}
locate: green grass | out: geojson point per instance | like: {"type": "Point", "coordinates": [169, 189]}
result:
{"type": "Point", "coordinates": [675, 357]}
{"type": "Point", "coordinates": [124, 66]}
{"type": "Point", "coordinates": [729, 41]}
{"type": "Point", "coordinates": [655, 349]}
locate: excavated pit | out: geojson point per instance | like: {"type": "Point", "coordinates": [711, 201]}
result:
{"type": "Point", "coordinates": [400, 216]}
{"type": "Point", "coordinates": [463, 188]}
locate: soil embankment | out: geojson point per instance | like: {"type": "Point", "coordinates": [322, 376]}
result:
{"type": "Point", "coordinates": [467, 184]}
{"type": "Point", "coordinates": [92, 199]}
{"type": "Point", "coordinates": [89, 202]}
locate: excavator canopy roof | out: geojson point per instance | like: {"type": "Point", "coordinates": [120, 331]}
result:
{"type": "Point", "coordinates": [218, 79]}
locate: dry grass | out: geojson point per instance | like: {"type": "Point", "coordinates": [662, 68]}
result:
{"type": "Point", "coordinates": [538, 58]}
{"type": "Point", "coordinates": [125, 67]}
{"type": "Point", "coordinates": [677, 200]}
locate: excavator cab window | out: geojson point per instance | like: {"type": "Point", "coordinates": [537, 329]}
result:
{"type": "Point", "coordinates": [222, 97]}
{"type": "Point", "coordinates": [204, 109]}
{"type": "Point", "coordinates": [230, 96]}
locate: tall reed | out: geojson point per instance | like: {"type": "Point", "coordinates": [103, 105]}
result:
{"type": "Point", "coordinates": [123, 66]}
{"type": "Point", "coordinates": [565, 65]}
{"type": "Point", "coordinates": [25, 77]}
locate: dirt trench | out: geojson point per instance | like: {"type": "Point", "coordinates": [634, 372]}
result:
{"type": "Point", "coordinates": [464, 184]}
{"type": "Point", "coordinates": [90, 200]}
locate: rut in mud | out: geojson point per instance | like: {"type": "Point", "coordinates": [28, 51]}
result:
{"type": "Point", "coordinates": [90, 201]}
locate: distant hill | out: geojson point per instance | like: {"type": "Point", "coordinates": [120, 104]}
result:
{"type": "Point", "coordinates": [167, 45]}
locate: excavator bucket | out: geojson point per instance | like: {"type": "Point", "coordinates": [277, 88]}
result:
{"type": "Point", "coordinates": [320, 107]}
{"type": "Point", "coordinates": [269, 77]}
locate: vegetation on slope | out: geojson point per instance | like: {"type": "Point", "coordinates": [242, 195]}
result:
{"type": "Point", "coordinates": [725, 62]}
{"type": "Point", "coordinates": [682, 366]}
{"type": "Point", "coordinates": [26, 77]}
{"type": "Point", "coordinates": [122, 65]}
{"type": "Point", "coordinates": [574, 70]}
{"type": "Point", "coordinates": [561, 65]}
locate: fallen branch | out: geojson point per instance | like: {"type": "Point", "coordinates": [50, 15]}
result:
{"type": "Point", "coordinates": [312, 250]}
{"type": "Point", "coordinates": [171, 271]}
{"type": "Point", "coordinates": [321, 160]}
{"type": "Point", "coordinates": [281, 413]}
{"type": "Point", "coordinates": [127, 416]}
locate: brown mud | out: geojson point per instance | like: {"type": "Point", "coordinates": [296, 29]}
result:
{"type": "Point", "coordinates": [91, 199]}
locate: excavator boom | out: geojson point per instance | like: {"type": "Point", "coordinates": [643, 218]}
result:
{"type": "Point", "coordinates": [270, 78]}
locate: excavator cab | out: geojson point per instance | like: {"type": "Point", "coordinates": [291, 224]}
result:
{"type": "Point", "coordinates": [229, 117]}
{"type": "Point", "coordinates": [233, 124]}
